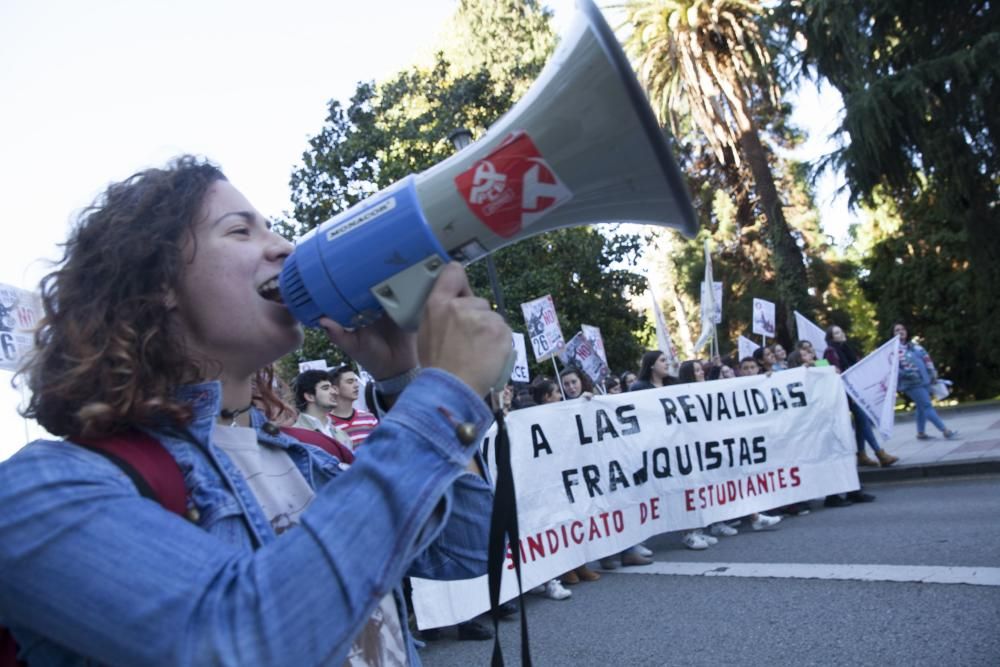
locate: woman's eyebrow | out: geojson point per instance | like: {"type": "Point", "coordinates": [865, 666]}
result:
{"type": "Point", "coordinates": [248, 216]}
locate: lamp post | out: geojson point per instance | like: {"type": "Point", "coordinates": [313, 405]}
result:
{"type": "Point", "coordinates": [461, 138]}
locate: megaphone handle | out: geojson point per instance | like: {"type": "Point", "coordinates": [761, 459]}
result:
{"type": "Point", "coordinates": [403, 295]}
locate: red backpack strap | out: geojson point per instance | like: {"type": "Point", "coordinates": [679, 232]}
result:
{"type": "Point", "coordinates": [324, 442]}
{"type": "Point", "coordinates": [8, 650]}
{"type": "Point", "coordinates": [148, 464]}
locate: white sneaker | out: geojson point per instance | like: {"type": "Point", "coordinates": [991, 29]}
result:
{"type": "Point", "coordinates": [643, 550]}
{"type": "Point", "coordinates": [695, 541]}
{"type": "Point", "coordinates": [708, 538]}
{"type": "Point", "coordinates": [722, 529]}
{"type": "Point", "coordinates": [555, 591]}
{"type": "Point", "coordinates": [765, 521]}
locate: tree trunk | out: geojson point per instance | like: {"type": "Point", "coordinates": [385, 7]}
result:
{"type": "Point", "coordinates": [789, 265]}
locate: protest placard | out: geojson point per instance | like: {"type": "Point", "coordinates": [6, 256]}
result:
{"type": "Point", "coordinates": [314, 365]}
{"type": "Point", "coordinates": [593, 334]}
{"type": "Point", "coordinates": [763, 318]}
{"type": "Point", "coordinates": [20, 312]}
{"type": "Point", "coordinates": [580, 353]}
{"type": "Point", "coordinates": [520, 371]}
{"type": "Point", "coordinates": [543, 327]}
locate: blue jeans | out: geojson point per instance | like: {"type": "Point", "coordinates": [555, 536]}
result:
{"type": "Point", "coordinates": [925, 411]}
{"type": "Point", "coordinates": [862, 428]}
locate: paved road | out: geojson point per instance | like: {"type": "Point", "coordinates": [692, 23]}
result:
{"type": "Point", "coordinates": [761, 613]}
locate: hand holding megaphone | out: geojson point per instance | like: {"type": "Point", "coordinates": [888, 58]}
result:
{"type": "Point", "coordinates": [459, 333]}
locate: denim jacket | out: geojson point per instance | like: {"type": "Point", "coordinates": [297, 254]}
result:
{"type": "Point", "coordinates": [92, 571]}
{"type": "Point", "coordinates": [915, 367]}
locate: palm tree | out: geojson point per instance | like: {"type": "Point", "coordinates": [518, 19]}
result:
{"type": "Point", "coordinates": [705, 60]}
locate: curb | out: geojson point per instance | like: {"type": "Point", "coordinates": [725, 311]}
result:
{"type": "Point", "coordinates": [975, 406]}
{"type": "Point", "coordinates": [931, 470]}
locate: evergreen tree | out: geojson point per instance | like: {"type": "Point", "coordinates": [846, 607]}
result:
{"type": "Point", "coordinates": [706, 60]}
{"type": "Point", "coordinates": [919, 83]}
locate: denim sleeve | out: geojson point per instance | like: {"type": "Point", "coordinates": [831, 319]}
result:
{"type": "Point", "coordinates": [88, 564]}
{"type": "Point", "coordinates": [459, 552]}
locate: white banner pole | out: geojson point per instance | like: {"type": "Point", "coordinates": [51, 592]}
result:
{"type": "Point", "coordinates": [558, 379]}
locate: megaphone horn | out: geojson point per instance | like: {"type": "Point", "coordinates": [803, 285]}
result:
{"type": "Point", "coordinates": [581, 147]}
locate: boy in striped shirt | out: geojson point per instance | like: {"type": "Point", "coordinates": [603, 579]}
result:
{"type": "Point", "coordinates": [357, 423]}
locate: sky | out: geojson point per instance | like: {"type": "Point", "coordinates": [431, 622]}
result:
{"type": "Point", "coordinates": [94, 91]}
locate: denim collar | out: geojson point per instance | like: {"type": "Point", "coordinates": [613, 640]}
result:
{"type": "Point", "coordinates": [205, 399]}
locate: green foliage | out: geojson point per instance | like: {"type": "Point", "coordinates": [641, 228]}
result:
{"type": "Point", "coordinates": [708, 70]}
{"type": "Point", "coordinates": [920, 130]}
{"type": "Point", "coordinates": [918, 274]}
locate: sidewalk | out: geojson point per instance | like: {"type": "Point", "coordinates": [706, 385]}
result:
{"type": "Point", "coordinates": [975, 451]}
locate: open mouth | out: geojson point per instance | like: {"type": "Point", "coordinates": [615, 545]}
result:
{"type": "Point", "coordinates": [270, 291]}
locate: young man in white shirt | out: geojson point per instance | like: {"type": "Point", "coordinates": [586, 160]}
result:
{"type": "Point", "coordinates": [314, 398]}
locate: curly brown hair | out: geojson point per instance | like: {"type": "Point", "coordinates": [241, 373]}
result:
{"type": "Point", "coordinates": [108, 357]}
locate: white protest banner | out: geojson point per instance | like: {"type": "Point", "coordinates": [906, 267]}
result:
{"type": "Point", "coordinates": [595, 477]}
{"type": "Point", "coordinates": [20, 311]}
{"type": "Point", "coordinates": [543, 327]}
{"type": "Point", "coordinates": [871, 382]}
{"type": "Point", "coordinates": [593, 334]}
{"type": "Point", "coordinates": [746, 347]}
{"type": "Point", "coordinates": [763, 318]}
{"type": "Point", "coordinates": [664, 344]}
{"type": "Point", "coordinates": [520, 371]}
{"type": "Point", "coordinates": [314, 365]}
{"type": "Point", "coordinates": [580, 353]}
{"type": "Point", "coordinates": [716, 300]}
{"type": "Point", "coordinates": [810, 332]}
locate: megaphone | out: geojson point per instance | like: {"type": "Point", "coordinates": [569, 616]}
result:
{"type": "Point", "coordinates": [582, 146]}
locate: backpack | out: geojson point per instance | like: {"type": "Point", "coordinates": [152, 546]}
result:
{"type": "Point", "coordinates": [156, 476]}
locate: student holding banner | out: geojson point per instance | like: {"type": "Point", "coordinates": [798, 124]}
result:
{"type": "Point", "coordinates": [654, 372]}
{"type": "Point", "coordinates": [628, 378]}
{"type": "Point", "coordinates": [780, 357]}
{"type": "Point", "coordinates": [576, 384]}
{"type": "Point", "coordinates": [841, 355]}
{"type": "Point", "coordinates": [692, 371]}
{"type": "Point", "coordinates": [544, 391]}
